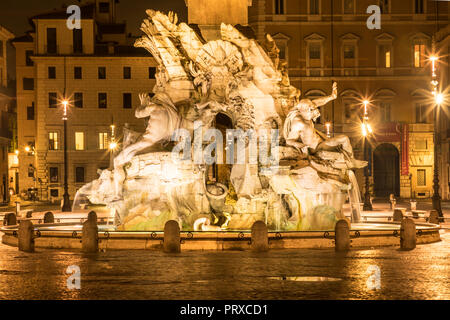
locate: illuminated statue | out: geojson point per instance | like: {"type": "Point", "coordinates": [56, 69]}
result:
{"type": "Point", "coordinates": [248, 83]}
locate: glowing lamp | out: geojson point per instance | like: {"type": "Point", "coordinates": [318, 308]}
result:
{"type": "Point", "coordinates": [439, 98]}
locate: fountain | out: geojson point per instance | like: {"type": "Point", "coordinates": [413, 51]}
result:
{"type": "Point", "coordinates": [300, 184]}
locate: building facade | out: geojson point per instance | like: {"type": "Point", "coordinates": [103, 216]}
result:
{"type": "Point", "coordinates": [95, 68]}
{"type": "Point", "coordinates": [328, 40]}
{"type": "Point", "coordinates": [7, 104]}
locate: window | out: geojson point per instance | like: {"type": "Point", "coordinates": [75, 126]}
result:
{"type": "Point", "coordinates": [28, 61]}
{"type": "Point", "coordinates": [79, 174]}
{"type": "Point", "coordinates": [30, 112]}
{"type": "Point", "coordinates": [28, 84]}
{"type": "Point", "coordinates": [421, 113]}
{"type": "Point", "coordinates": [349, 51]}
{"type": "Point", "coordinates": [77, 73]}
{"type": "Point", "coordinates": [314, 51]}
{"type": "Point", "coordinates": [385, 55]}
{"type": "Point", "coordinates": [53, 142]}
{"type": "Point", "coordinates": [349, 6]}
{"type": "Point", "coordinates": [127, 100]}
{"type": "Point", "coordinates": [103, 7]}
{"type": "Point", "coordinates": [421, 177]}
{"type": "Point", "coordinates": [77, 41]}
{"type": "Point", "coordinates": [51, 40]}
{"type": "Point", "coordinates": [279, 6]}
{"type": "Point", "coordinates": [384, 6]}
{"type": "Point", "coordinates": [385, 112]}
{"type": "Point", "coordinates": [78, 99]}
{"type": "Point", "coordinates": [314, 6]}
{"type": "Point", "coordinates": [52, 100]}
{"type": "Point", "coordinates": [127, 72]}
{"type": "Point", "coordinates": [52, 72]}
{"type": "Point", "coordinates": [54, 193]}
{"type": "Point", "coordinates": [418, 6]}
{"type": "Point", "coordinates": [102, 100]}
{"type": "Point", "coordinates": [54, 177]}
{"type": "Point", "coordinates": [419, 55]}
{"type": "Point", "coordinates": [102, 140]}
{"type": "Point", "coordinates": [151, 72]}
{"type": "Point", "coordinates": [79, 140]}
{"type": "Point", "coordinates": [421, 144]}
{"type": "Point", "coordinates": [102, 72]}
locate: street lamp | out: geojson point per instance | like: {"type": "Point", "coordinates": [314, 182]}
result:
{"type": "Point", "coordinates": [438, 99]}
{"type": "Point", "coordinates": [366, 130]}
{"type": "Point", "coordinates": [66, 199]}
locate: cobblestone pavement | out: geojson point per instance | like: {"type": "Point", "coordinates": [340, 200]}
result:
{"type": "Point", "coordinates": [423, 273]}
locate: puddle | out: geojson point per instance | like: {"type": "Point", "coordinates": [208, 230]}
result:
{"type": "Point", "coordinates": [305, 279]}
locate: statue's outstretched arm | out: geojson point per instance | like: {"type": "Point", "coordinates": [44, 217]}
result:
{"type": "Point", "coordinates": [324, 100]}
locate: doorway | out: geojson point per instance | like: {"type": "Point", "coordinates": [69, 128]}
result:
{"type": "Point", "coordinates": [386, 170]}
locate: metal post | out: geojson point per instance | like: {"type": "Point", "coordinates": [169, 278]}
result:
{"type": "Point", "coordinates": [367, 206]}
{"type": "Point", "coordinates": [66, 199]}
{"type": "Point", "coordinates": [436, 197]}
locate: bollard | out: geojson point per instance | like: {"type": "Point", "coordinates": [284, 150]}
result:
{"type": "Point", "coordinates": [92, 216]}
{"type": "Point", "coordinates": [433, 217]}
{"type": "Point", "coordinates": [171, 243]}
{"type": "Point", "coordinates": [407, 234]}
{"type": "Point", "coordinates": [49, 217]}
{"type": "Point", "coordinates": [26, 237]}
{"type": "Point", "coordinates": [342, 235]}
{"type": "Point", "coordinates": [9, 219]}
{"type": "Point", "coordinates": [398, 215]}
{"type": "Point", "coordinates": [89, 239]}
{"type": "Point", "coordinates": [260, 238]}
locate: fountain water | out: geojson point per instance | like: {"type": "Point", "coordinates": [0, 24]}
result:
{"type": "Point", "coordinates": [355, 198]}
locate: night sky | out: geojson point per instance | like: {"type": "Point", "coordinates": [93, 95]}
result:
{"type": "Point", "coordinates": [14, 15]}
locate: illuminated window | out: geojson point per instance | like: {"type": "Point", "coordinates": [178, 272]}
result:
{"type": "Point", "coordinates": [421, 177]}
{"type": "Point", "coordinates": [385, 55]}
{"type": "Point", "coordinates": [419, 55]}
{"type": "Point", "coordinates": [79, 140]}
{"type": "Point", "coordinates": [53, 141]}
{"type": "Point", "coordinates": [102, 140]}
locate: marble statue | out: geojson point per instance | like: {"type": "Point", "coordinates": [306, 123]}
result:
{"type": "Point", "coordinates": [247, 82]}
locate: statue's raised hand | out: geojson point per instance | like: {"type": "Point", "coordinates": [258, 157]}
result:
{"type": "Point", "coordinates": [334, 91]}
{"type": "Point", "coordinates": [144, 98]}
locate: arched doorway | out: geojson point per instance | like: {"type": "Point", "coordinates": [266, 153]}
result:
{"type": "Point", "coordinates": [386, 170]}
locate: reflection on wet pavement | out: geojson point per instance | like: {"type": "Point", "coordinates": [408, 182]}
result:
{"type": "Point", "coordinates": [423, 273]}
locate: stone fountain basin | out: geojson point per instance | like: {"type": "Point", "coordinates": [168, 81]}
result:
{"type": "Point", "coordinates": [363, 235]}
